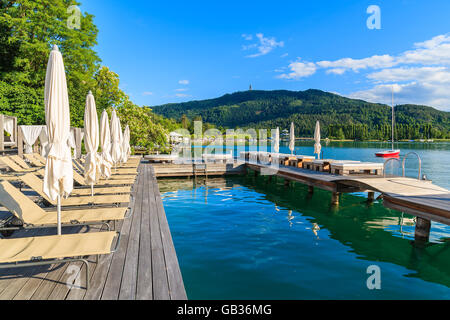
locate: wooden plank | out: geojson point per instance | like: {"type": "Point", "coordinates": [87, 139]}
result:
{"type": "Point", "coordinates": [129, 276]}
{"type": "Point", "coordinates": [61, 288]}
{"type": "Point", "coordinates": [144, 276]}
{"type": "Point", "coordinates": [99, 275]}
{"type": "Point", "coordinates": [175, 280]}
{"type": "Point", "coordinates": [159, 274]}
{"type": "Point", "coordinates": [114, 278]}
{"type": "Point", "coordinates": [20, 276]}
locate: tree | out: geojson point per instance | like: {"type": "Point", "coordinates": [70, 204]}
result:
{"type": "Point", "coordinates": [29, 29]}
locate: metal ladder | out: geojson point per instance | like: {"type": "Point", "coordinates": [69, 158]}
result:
{"type": "Point", "coordinates": [403, 163]}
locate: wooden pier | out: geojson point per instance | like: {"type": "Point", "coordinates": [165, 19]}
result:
{"type": "Point", "coordinates": [144, 267]}
{"type": "Point", "coordinates": [199, 169]}
{"type": "Point", "coordinates": [416, 197]}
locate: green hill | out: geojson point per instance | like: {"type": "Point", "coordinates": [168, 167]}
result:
{"type": "Point", "coordinates": [339, 116]}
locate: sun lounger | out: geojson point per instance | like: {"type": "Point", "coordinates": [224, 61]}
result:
{"type": "Point", "coordinates": [14, 166]}
{"type": "Point", "coordinates": [20, 161]}
{"type": "Point", "coordinates": [78, 178]}
{"type": "Point", "coordinates": [324, 165]}
{"type": "Point", "coordinates": [33, 216]}
{"type": "Point", "coordinates": [33, 160]}
{"type": "Point", "coordinates": [348, 168]}
{"type": "Point", "coordinates": [48, 250]}
{"type": "Point", "coordinates": [298, 160]}
{"type": "Point", "coordinates": [37, 185]}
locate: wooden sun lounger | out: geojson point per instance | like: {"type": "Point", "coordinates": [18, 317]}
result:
{"type": "Point", "coordinates": [48, 250]}
{"type": "Point", "coordinates": [33, 216]}
{"type": "Point", "coordinates": [33, 160]}
{"type": "Point", "coordinates": [37, 185]}
{"type": "Point", "coordinates": [347, 168]}
{"type": "Point", "coordinates": [78, 178]}
{"type": "Point", "coordinates": [20, 161]}
{"type": "Point", "coordinates": [14, 166]}
{"type": "Point", "coordinates": [324, 165]}
{"type": "Point", "coordinates": [298, 160]}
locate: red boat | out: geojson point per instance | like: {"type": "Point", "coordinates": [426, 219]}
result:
{"type": "Point", "coordinates": [388, 154]}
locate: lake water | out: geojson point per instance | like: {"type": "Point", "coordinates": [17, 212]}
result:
{"type": "Point", "coordinates": [248, 238]}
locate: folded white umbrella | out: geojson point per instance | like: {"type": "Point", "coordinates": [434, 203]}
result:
{"type": "Point", "coordinates": [58, 177]}
{"type": "Point", "coordinates": [121, 142]}
{"type": "Point", "coordinates": [106, 161]}
{"type": "Point", "coordinates": [116, 150]}
{"type": "Point", "coordinates": [292, 139]}
{"type": "Point", "coordinates": [317, 145]}
{"type": "Point", "coordinates": [91, 141]}
{"type": "Point", "coordinates": [126, 144]}
{"type": "Point", "coordinates": [276, 145]}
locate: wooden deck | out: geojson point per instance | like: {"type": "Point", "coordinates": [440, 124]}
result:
{"type": "Point", "coordinates": [191, 170]}
{"type": "Point", "coordinates": [144, 267]}
{"type": "Point", "coordinates": [416, 197]}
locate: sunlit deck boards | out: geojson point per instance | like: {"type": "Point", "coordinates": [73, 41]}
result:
{"type": "Point", "coordinates": [417, 197]}
{"type": "Point", "coordinates": [144, 267]}
{"type": "Point", "coordinates": [189, 170]}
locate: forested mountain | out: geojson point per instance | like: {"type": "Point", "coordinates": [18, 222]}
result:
{"type": "Point", "coordinates": [340, 117]}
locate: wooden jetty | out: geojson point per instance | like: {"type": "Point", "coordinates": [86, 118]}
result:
{"type": "Point", "coordinates": [145, 266]}
{"type": "Point", "coordinates": [420, 198]}
{"type": "Point", "coordinates": [198, 169]}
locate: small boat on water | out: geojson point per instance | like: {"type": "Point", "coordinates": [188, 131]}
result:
{"type": "Point", "coordinates": [388, 154]}
{"type": "Point", "coordinates": [393, 153]}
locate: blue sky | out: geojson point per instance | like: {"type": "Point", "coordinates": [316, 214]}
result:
{"type": "Point", "coordinates": [174, 51]}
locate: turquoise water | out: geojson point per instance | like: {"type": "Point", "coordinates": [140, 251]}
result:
{"type": "Point", "coordinates": [248, 238]}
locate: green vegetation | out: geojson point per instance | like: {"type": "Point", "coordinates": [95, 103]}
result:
{"type": "Point", "coordinates": [28, 29]}
{"type": "Point", "coordinates": [340, 117]}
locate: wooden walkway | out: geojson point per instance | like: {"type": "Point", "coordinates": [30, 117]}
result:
{"type": "Point", "coordinates": [191, 170]}
{"type": "Point", "coordinates": [144, 267]}
{"type": "Point", "coordinates": [413, 196]}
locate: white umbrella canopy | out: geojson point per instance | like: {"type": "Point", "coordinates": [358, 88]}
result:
{"type": "Point", "coordinates": [106, 161]}
{"type": "Point", "coordinates": [91, 140]}
{"type": "Point", "coordinates": [292, 138]}
{"type": "Point", "coordinates": [58, 176]}
{"type": "Point", "coordinates": [276, 145]}
{"type": "Point", "coordinates": [126, 144]}
{"type": "Point", "coordinates": [116, 150]}
{"type": "Point", "coordinates": [122, 160]}
{"type": "Point", "coordinates": [317, 145]}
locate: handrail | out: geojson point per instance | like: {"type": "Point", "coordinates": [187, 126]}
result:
{"type": "Point", "coordinates": [386, 162]}
{"type": "Point", "coordinates": [420, 164]}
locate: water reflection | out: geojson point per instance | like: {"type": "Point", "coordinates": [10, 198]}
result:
{"type": "Point", "coordinates": [370, 233]}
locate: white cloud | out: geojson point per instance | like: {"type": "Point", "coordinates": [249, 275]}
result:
{"type": "Point", "coordinates": [284, 55]}
{"type": "Point", "coordinates": [356, 65]}
{"type": "Point", "coordinates": [247, 37]}
{"type": "Point", "coordinates": [182, 95]}
{"type": "Point", "coordinates": [403, 74]}
{"type": "Point", "coordinates": [184, 82]}
{"type": "Point", "coordinates": [299, 70]}
{"type": "Point", "coordinates": [409, 93]}
{"type": "Point", "coordinates": [420, 75]}
{"type": "Point", "coordinates": [263, 46]}
{"type": "Point", "coordinates": [182, 89]}
{"type": "Point", "coordinates": [147, 93]}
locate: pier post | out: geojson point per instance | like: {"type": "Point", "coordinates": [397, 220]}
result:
{"type": "Point", "coordinates": [371, 197]}
{"type": "Point", "coordinates": [311, 190]}
{"type": "Point", "coordinates": [256, 173]}
{"type": "Point", "coordinates": [287, 182]}
{"type": "Point", "coordinates": [335, 198]}
{"type": "Point", "coordinates": [422, 232]}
